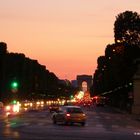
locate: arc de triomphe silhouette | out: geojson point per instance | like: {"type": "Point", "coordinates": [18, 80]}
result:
{"type": "Point", "coordinates": [84, 82]}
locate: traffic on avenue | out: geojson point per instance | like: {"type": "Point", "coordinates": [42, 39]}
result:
{"type": "Point", "coordinates": [36, 123]}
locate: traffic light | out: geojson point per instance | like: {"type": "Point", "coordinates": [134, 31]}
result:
{"type": "Point", "coordinates": [14, 86]}
{"type": "Point", "coordinates": [14, 101]}
{"type": "Point", "coordinates": [71, 97]}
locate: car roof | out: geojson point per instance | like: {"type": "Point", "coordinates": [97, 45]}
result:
{"type": "Point", "coordinates": [72, 106]}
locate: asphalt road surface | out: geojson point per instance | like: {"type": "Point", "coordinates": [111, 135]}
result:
{"type": "Point", "coordinates": [103, 123]}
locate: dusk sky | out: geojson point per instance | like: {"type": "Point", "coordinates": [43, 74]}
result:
{"type": "Point", "coordinates": [67, 36]}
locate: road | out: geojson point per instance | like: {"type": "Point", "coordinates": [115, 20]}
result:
{"type": "Point", "coordinates": [103, 123]}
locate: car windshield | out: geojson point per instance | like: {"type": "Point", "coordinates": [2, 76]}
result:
{"type": "Point", "coordinates": [74, 110]}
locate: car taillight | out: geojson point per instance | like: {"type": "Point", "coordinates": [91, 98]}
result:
{"type": "Point", "coordinates": [68, 115]}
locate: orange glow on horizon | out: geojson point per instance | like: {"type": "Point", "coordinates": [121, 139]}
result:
{"type": "Point", "coordinates": [65, 36]}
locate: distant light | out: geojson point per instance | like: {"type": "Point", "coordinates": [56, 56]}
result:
{"type": "Point", "coordinates": [31, 104]}
{"type": "Point", "coordinates": [42, 102]}
{"type": "Point", "coordinates": [84, 114]}
{"type": "Point", "coordinates": [15, 108]}
{"type": "Point", "coordinates": [130, 84]}
{"type": "Point", "coordinates": [71, 96]}
{"type": "Point", "coordinates": [14, 84]}
{"type": "Point", "coordinates": [118, 41]}
{"type": "Point", "coordinates": [38, 103]}
{"type": "Point", "coordinates": [14, 101]}
{"type": "Point", "coordinates": [80, 95]}
{"type": "Point", "coordinates": [8, 107]}
{"type": "Point", "coordinates": [68, 115]}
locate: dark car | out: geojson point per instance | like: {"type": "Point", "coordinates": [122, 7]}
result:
{"type": "Point", "coordinates": [69, 114]}
{"type": "Point", "coordinates": [53, 108]}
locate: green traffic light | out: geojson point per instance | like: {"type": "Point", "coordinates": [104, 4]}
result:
{"type": "Point", "coordinates": [14, 84]}
{"type": "Point", "coordinates": [71, 97]}
{"type": "Point", "coordinates": [14, 102]}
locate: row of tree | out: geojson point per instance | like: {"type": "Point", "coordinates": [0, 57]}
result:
{"type": "Point", "coordinates": [115, 70]}
{"type": "Point", "coordinates": [34, 80]}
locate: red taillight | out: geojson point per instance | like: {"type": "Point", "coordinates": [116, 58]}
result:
{"type": "Point", "coordinates": [68, 115]}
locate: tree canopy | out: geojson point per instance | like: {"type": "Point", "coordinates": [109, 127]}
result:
{"type": "Point", "coordinates": [117, 68]}
{"type": "Point", "coordinates": [127, 28]}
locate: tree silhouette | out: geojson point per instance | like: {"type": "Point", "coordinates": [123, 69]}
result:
{"type": "Point", "coordinates": [34, 80]}
{"type": "Point", "coordinates": [116, 69]}
{"type": "Point", "coordinates": [127, 28]}
{"type": "Point", "coordinates": [3, 51]}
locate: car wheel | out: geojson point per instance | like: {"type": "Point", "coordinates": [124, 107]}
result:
{"type": "Point", "coordinates": [83, 123]}
{"type": "Point", "coordinates": [71, 123]}
{"type": "Point", "coordinates": [65, 122]}
{"type": "Point", "coordinates": [54, 120]}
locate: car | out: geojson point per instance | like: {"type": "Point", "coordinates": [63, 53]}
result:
{"type": "Point", "coordinates": [12, 110]}
{"type": "Point", "coordinates": [100, 101]}
{"type": "Point", "coordinates": [69, 114]}
{"type": "Point", "coordinates": [87, 104]}
{"type": "Point", "coordinates": [53, 108]}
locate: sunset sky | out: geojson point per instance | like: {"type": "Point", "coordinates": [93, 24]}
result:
{"type": "Point", "coordinates": [67, 36]}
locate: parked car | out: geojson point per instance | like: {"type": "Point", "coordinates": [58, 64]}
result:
{"type": "Point", "coordinates": [69, 114]}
